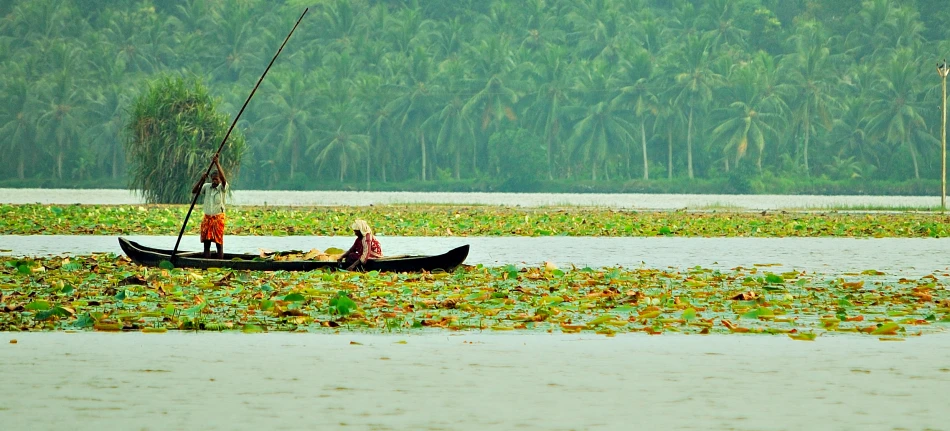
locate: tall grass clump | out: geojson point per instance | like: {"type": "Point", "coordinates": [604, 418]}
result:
{"type": "Point", "coordinates": [173, 131]}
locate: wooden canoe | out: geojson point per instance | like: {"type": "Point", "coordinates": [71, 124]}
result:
{"type": "Point", "coordinates": [149, 256]}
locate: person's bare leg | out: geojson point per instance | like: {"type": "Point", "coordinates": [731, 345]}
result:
{"type": "Point", "coordinates": [207, 252]}
{"type": "Point", "coordinates": [220, 250]}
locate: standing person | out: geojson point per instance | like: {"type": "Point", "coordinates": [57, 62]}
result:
{"type": "Point", "coordinates": [364, 248]}
{"type": "Point", "coordinates": [212, 225]}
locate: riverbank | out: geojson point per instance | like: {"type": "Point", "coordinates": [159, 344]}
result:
{"type": "Point", "coordinates": [732, 185]}
{"type": "Point", "coordinates": [470, 381]}
{"type": "Point", "coordinates": [642, 201]}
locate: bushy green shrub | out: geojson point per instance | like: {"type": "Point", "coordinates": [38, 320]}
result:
{"type": "Point", "coordinates": [173, 131]}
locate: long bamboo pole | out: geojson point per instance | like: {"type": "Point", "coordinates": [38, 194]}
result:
{"type": "Point", "coordinates": [233, 123]}
{"type": "Point", "coordinates": [943, 70]}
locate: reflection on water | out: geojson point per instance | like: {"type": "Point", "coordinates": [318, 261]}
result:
{"type": "Point", "coordinates": [471, 381]}
{"type": "Point", "coordinates": [610, 200]}
{"type": "Point", "coordinates": [907, 256]}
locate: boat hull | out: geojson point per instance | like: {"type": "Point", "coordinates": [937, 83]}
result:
{"type": "Point", "coordinates": [150, 256]}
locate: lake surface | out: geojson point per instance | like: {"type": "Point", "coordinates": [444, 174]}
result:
{"type": "Point", "coordinates": [470, 381]}
{"type": "Point", "coordinates": [608, 200]}
{"type": "Point", "coordinates": [905, 256]}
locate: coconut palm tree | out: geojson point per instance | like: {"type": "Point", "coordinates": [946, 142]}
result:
{"type": "Point", "coordinates": [18, 120]}
{"type": "Point", "coordinates": [636, 95]}
{"type": "Point", "coordinates": [551, 75]}
{"type": "Point", "coordinates": [602, 129]}
{"type": "Point", "coordinates": [61, 117]}
{"type": "Point", "coordinates": [752, 115]}
{"type": "Point", "coordinates": [341, 144]}
{"type": "Point", "coordinates": [414, 102]}
{"type": "Point", "coordinates": [695, 82]}
{"type": "Point", "coordinates": [895, 109]}
{"type": "Point", "coordinates": [288, 112]}
{"type": "Point", "coordinates": [808, 67]}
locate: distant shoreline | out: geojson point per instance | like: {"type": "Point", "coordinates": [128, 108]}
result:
{"type": "Point", "coordinates": [642, 201]}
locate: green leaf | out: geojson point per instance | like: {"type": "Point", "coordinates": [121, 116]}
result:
{"type": "Point", "coordinates": [37, 306]}
{"type": "Point", "coordinates": [887, 328]}
{"type": "Point", "coordinates": [774, 279]}
{"type": "Point", "coordinates": [53, 312]}
{"type": "Point", "coordinates": [665, 230]}
{"type": "Point", "coordinates": [342, 304]}
{"type": "Point", "coordinates": [295, 297]}
{"type": "Point", "coordinates": [166, 265]}
{"type": "Point", "coordinates": [759, 312]}
{"type": "Point", "coordinates": [72, 266]}
{"type": "Point", "coordinates": [600, 319]}
{"type": "Point", "coordinates": [195, 311]}
{"type": "Point", "coordinates": [84, 321]}
{"type": "Point", "coordinates": [552, 300]}
{"type": "Point", "coordinates": [250, 328]}
{"type": "Point", "coordinates": [689, 314]}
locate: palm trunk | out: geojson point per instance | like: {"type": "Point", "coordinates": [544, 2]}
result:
{"type": "Point", "coordinates": [342, 169]}
{"type": "Point", "coordinates": [689, 144]}
{"type": "Point", "coordinates": [21, 164]}
{"type": "Point", "coordinates": [807, 136]}
{"type": "Point", "coordinates": [726, 162]}
{"type": "Point", "coordinates": [59, 165]}
{"type": "Point", "coordinates": [913, 156]}
{"type": "Point", "coordinates": [294, 153]}
{"type": "Point", "coordinates": [115, 162]}
{"type": "Point", "coordinates": [474, 154]}
{"type": "Point", "coordinates": [367, 170]}
{"type": "Point", "coordinates": [643, 141]}
{"type": "Point", "coordinates": [669, 153]}
{"type": "Point", "coordinates": [458, 164]}
{"type": "Point", "coordinates": [550, 155]}
{"type": "Point", "coordinates": [422, 140]}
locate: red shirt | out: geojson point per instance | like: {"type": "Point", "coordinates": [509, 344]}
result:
{"type": "Point", "coordinates": [367, 242]}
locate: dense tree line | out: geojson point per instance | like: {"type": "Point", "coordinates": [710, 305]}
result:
{"type": "Point", "coordinates": [399, 90]}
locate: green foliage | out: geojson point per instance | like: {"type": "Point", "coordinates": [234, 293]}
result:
{"type": "Point", "coordinates": [696, 300]}
{"type": "Point", "coordinates": [439, 96]}
{"type": "Point", "coordinates": [342, 304]}
{"type": "Point", "coordinates": [520, 157]}
{"type": "Point", "coordinates": [438, 220]}
{"type": "Point", "coordinates": [174, 129]}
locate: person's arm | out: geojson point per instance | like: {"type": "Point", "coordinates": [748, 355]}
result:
{"type": "Point", "coordinates": [197, 188]}
{"type": "Point", "coordinates": [352, 249]}
{"type": "Point", "coordinates": [364, 256]}
{"type": "Point", "coordinates": [224, 179]}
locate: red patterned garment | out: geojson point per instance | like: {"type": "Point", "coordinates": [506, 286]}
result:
{"type": "Point", "coordinates": [367, 242]}
{"type": "Point", "coordinates": [212, 228]}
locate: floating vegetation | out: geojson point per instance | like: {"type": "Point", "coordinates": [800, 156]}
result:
{"type": "Point", "coordinates": [104, 292]}
{"type": "Point", "coordinates": [451, 220]}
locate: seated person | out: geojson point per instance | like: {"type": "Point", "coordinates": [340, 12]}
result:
{"type": "Point", "coordinates": [364, 248]}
